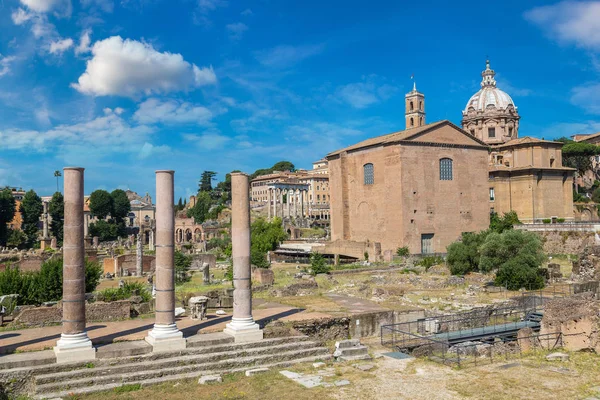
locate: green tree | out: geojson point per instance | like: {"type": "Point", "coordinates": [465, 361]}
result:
{"type": "Point", "coordinates": [31, 209]}
{"type": "Point", "coordinates": [318, 264]}
{"type": "Point", "coordinates": [579, 155]}
{"type": "Point", "coordinates": [182, 265]}
{"type": "Point", "coordinates": [513, 245]}
{"type": "Point", "coordinates": [225, 187]}
{"type": "Point", "coordinates": [202, 208]}
{"type": "Point", "coordinates": [179, 206]}
{"type": "Point", "coordinates": [7, 213]}
{"type": "Point", "coordinates": [16, 238]}
{"type": "Point", "coordinates": [105, 230]}
{"type": "Point", "coordinates": [101, 204]}
{"type": "Point", "coordinates": [464, 256]}
{"type": "Point", "coordinates": [264, 237]}
{"type": "Point", "coordinates": [206, 179]}
{"type": "Point", "coordinates": [121, 205]}
{"type": "Point", "coordinates": [504, 223]}
{"type": "Point", "coordinates": [279, 166]}
{"type": "Point", "coordinates": [57, 175]}
{"type": "Point", "coordinates": [56, 209]}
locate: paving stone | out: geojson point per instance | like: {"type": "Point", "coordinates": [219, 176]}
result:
{"type": "Point", "coordinates": [256, 371]}
{"type": "Point", "coordinates": [290, 374]}
{"type": "Point", "coordinates": [210, 379]}
{"type": "Point", "coordinates": [319, 364]}
{"type": "Point", "coordinates": [364, 367]}
{"type": "Point", "coordinates": [557, 357]}
{"type": "Point", "coordinates": [343, 382]}
{"type": "Point", "coordinates": [310, 381]}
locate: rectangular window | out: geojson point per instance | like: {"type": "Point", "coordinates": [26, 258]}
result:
{"type": "Point", "coordinates": [510, 132]}
{"type": "Point", "coordinates": [446, 169]}
{"type": "Point", "coordinates": [492, 194]}
{"type": "Point", "coordinates": [368, 172]}
{"type": "Point", "coordinates": [491, 132]}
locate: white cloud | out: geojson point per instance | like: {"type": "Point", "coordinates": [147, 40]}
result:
{"type": "Point", "coordinates": [566, 129]}
{"type": "Point", "coordinates": [130, 68]}
{"type": "Point", "coordinates": [84, 42]}
{"type": "Point", "coordinates": [148, 149]}
{"type": "Point", "coordinates": [365, 93]}
{"type": "Point", "coordinates": [103, 5]}
{"type": "Point", "coordinates": [286, 56]}
{"type": "Point", "coordinates": [60, 46]}
{"type": "Point", "coordinates": [208, 141]}
{"type": "Point", "coordinates": [20, 16]}
{"type": "Point", "coordinates": [247, 12]}
{"type": "Point", "coordinates": [204, 8]}
{"type": "Point", "coordinates": [587, 97]}
{"type": "Point", "coordinates": [5, 64]}
{"type": "Point", "coordinates": [171, 112]}
{"type": "Point", "coordinates": [236, 31]}
{"type": "Point", "coordinates": [109, 130]}
{"type": "Point", "coordinates": [570, 22]}
{"type": "Point", "coordinates": [41, 6]}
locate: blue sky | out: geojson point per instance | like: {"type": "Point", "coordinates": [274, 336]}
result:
{"type": "Point", "coordinates": [125, 87]}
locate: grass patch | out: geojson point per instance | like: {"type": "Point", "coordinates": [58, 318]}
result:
{"type": "Point", "coordinates": [128, 388]}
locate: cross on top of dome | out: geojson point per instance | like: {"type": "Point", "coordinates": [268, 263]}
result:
{"type": "Point", "coordinates": [488, 76]}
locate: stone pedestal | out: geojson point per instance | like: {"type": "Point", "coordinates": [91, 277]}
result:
{"type": "Point", "coordinates": [242, 326]}
{"type": "Point", "coordinates": [74, 344]}
{"type": "Point", "coordinates": [165, 336]}
{"type": "Point", "coordinates": [198, 306]}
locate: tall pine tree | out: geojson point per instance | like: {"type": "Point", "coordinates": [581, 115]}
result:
{"type": "Point", "coordinates": [7, 213]}
{"type": "Point", "coordinates": [31, 209]}
{"type": "Point", "coordinates": [56, 209]}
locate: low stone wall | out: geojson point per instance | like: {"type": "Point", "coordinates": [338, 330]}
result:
{"type": "Point", "coordinates": [369, 324]}
{"type": "Point", "coordinates": [324, 328]}
{"type": "Point", "coordinates": [352, 249]}
{"type": "Point", "coordinates": [128, 262]}
{"type": "Point", "coordinates": [99, 311]}
{"type": "Point", "coordinates": [566, 242]}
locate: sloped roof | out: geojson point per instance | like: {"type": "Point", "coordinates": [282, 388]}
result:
{"type": "Point", "coordinates": [406, 134]}
{"type": "Point", "coordinates": [527, 140]}
{"type": "Point", "coordinates": [585, 138]}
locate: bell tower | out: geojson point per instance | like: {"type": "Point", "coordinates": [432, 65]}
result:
{"type": "Point", "coordinates": [415, 108]}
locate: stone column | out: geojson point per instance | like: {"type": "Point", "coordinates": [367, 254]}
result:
{"type": "Point", "coordinates": [139, 255]}
{"type": "Point", "coordinates": [74, 343]}
{"type": "Point", "coordinates": [269, 203]}
{"type": "Point", "coordinates": [45, 220]}
{"type": "Point", "coordinates": [151, 240]}
{"type": "Point", "coordinates": [242, 326]}
{"type": "Point", "coordinates": [288, 199]}
{"type": "Point", "coordinates": [281, 203]}
{"type": "Point", "coordinates": [86, 225]}
{"type": "Point", "coordinates": [165, 336]}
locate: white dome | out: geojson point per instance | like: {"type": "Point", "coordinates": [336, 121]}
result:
{"type": "Point", "coordinates": [489, 95]}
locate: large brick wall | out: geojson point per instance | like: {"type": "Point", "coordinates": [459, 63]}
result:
{"type": "Point", "coordinates": [99, 311]}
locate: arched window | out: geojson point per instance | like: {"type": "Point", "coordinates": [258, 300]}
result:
{"type": "Point", "coordinates": [412, 121]}
{"type": "Point", "coordinates": [445, 169]}
{"type": "Point", "coordinates": [421, 121]}
{"type": "Point", "coordinates": [368, 172]}
{"type": "Point", "coordinates": [412, 107]}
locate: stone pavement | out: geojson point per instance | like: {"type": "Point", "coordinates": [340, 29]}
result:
{"type": "Point", "coordinates": [136, 329]}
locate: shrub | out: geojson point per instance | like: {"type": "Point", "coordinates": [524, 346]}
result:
{"type": "Point", "coordinates": [318, 264]}
{"type": "Point", "coordinates": [258, 258]}
{"type": "Point", "coordinates": [516, 275]}
{"type": "Point", "coordinates": [403, 251]}
{"type": "Point", "coordinates": [229, 272]}
{"type": "Point", "coordinates": [504, 223]}
{"type": "Point", "coordinates": [128, 290]}
{"type": "Point", "coordinates": [366, 255]}
{"type": "Point", "coordinates": [560, 220]}
{"type": "Point", "coordinates": [546, 220]}
{"type": "Point", "coordinates": [430, 261]}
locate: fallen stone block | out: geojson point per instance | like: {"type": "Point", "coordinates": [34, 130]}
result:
{"type": "Point", "coordinates": [256, 371]}
{"type": "Point", "coordinates": [221, 312]}
{"type": "Point", "coordinates": [179, 311]}
{"type": "Point", "coordinates": [343, 382]}
{"type": "Point", "coordinates": [364, 367]}
{"type": "Point", "coordinates": [557, 357]}
{"type": "Point", "coordinates": [347, 344]}
{"type": "Point", "coordinates": [210, 379]}
{"type": "Point", "coordinates": [319, 364]}
{"type": "Point", "coordinates": [290, 374]}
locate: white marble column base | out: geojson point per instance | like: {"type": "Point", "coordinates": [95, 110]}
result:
{"type": "Point", "coordinates": [74, 348]}
{"type": "Point", "coordinates": [166, 338]}
{"type": "Point", "coordinates": [244, 330]}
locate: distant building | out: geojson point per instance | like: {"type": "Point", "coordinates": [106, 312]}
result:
{"type": "Point", "coordinates": [17, 194]}
{"type": "Point", "coordinates": [143, 212]}
{"type": "Point", "coordinates": [526, 174]}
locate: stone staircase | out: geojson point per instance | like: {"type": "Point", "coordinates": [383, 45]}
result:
{"type": "Point", "coordinates": [202, 357]}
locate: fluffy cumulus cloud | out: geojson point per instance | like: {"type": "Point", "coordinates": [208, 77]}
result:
{"type": "Point", "coordinates": [570, 22]}
{"type": "Point", "coordinates": [236, 31]}
{"type": "Point", "coordinates": [41, 6]}
{"type": "Point", "coordinates": [131, 68]}
{"type": "Point", "coordinates": [171, 112]}
{"type": "Point", "coordinates": [20, 16]}
{"type": "Point", "coordinates": [287, 56]}
{"type": "Point", "coordinates": [365, 93]}
{"type": "Point", "coordinates": [60, 46]}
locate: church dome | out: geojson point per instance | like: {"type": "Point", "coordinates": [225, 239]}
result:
{"type": "Point", "coordinates": [489, 94]}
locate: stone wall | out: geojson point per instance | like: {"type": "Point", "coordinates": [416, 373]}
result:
{"type": "Point", "coordinates": [566, 242]}
{"type": "Point", "coordinates": [369, 324]}
{"type": "Point", "coordinates": [352, 249]}
{"type": "Point", "coordinates": [324, 328]}
{"type": "Point", "coordinates": [117, 265]}
{"type": "Point", "coordinates": [99, 311]}
{"type": "Point", "coordinates": [199, 259]}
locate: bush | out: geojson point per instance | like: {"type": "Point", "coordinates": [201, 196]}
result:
{"type": "Point", "coordinates": [124, 293]}
{"type": "Point", "coordinates": [430, 261]}
{"type": "Point", "coordinates": [546, 220]}
{"type": "Point", "coordinates": [229, 272]}
{"type": "Point", "coordinates": [403, 251]}
{"type": "Point", "coordinates": [366, 255]}
{"type": "Point", "coordinates": [504, 223]}
{"type": "Point", "coordinates": [516, 275]}
{"type": "Point", "coordinates": [318, 264]}
{"type": "Point", "coordinates": [46, 284]}
{"type": "Point", "coordinates": [258, 258]}
{"type": "Point", "coordinates": [560, 220]}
